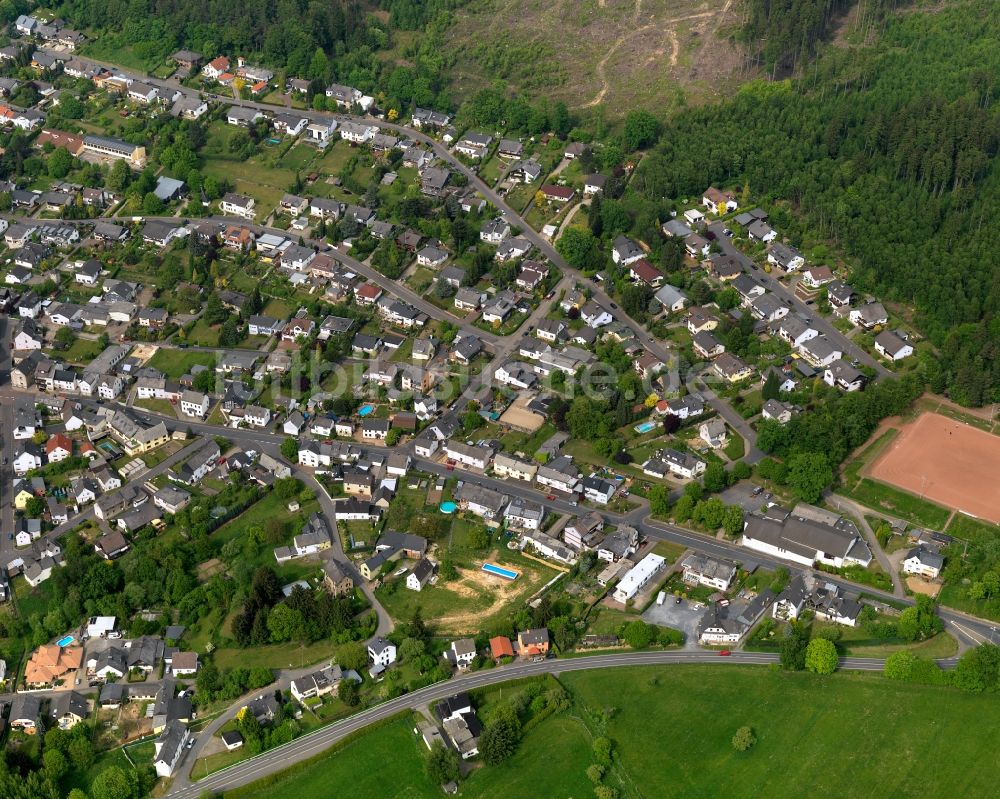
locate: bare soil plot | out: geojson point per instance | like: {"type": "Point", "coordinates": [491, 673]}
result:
{"type": "Point", "coordinates": [945, 461]}
{"type": "Point", "coordinates": [918, 585]}
{"type": "Point", "coordinates": [624, 53]}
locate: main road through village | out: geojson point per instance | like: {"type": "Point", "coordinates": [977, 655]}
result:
{"type": "Point", "coordinates": [968, 628]}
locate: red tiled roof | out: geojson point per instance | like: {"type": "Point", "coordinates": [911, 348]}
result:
{"type": "Point", "coordinates": [58, 440]}
{"type": "Point", "coordinates": [645, 271]}
{"type": "Point", "coordinates": [369, 290]}
{"type": "Point", "coordinates": [501, 647]}
{"type": "Point", "coordinates": [559, 192]}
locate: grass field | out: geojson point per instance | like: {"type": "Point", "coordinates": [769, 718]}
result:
{"type": "Point", "coordinates": [359, 769]}
{"type": "Point", "coordinates": [969, 529]}
{"type": "Point", "coordinates": [175, 363]}
{"type": "Point", "coordinates": [892, 501]}
{"type": "Point", "coordinates": [900, 740]}
{"type": "Point", "coordinates": [82, 351]}
{"type": "Point", "coordinates": [672, 727]}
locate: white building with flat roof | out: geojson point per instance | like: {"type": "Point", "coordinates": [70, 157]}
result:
{"type": "Point", "coordinates": [636, 577]}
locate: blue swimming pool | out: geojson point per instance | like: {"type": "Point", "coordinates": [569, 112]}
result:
{"type": "Point", "coordinates": [448, 507]}
{"type": "Point", "coordinates": [645, 427]}
{"type": "Point", "coordinates": [500, 571]}
{"type": "Point", "coordinates": [366, 410]}
{"type": "Point", "coordinates": [66, 640]}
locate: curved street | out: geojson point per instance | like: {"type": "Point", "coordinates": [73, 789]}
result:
{"type": "Point", "coordinates": [319, 740]}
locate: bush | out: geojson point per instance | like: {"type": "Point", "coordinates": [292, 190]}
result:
{"type": "Point", "coordinates": [744, 739]}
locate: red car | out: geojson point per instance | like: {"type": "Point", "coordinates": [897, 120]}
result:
{"type": "Point", "coordinates": [450, 467]}
{"type": "Point", "coordinates": [725, 653]}
{"type": "Point", "coordinates": [550, 497]}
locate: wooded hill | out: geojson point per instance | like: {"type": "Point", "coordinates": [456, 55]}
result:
{"type": "Point", "coordinates": [890, 152]}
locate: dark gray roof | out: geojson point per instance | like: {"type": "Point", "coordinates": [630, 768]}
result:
{"type": "Point", "coordinates": [800, 536]}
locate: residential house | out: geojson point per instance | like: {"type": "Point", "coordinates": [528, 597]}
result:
{"type": "Point", "coordinates": [420, 575]}
{"type": "Point", "coordinates": [778, 411]}
{"type": "Point", "coordinates": [844, 376]}
{"type": "Point", "coordinates": [719, 202]}
{"type": "Point", "coordinates": [522, 514]}
{"type": "Point", "coordinates": [624, 251]}
{"type": "Point", "coordinates": [381, 652]}
{"type": "Point", "coordinates": [533, 643]}
{"type": "Point", "coordinates": [868, 316]}
{"type": "Point", "coordinates": [238, 205]}
{"type": "Point", "coordinates": [731, 369]}
{"type": "Point", "coordinates": [700, 569]}
{"type": "Point", "coordinates": [923, 561]}
{"type": "Point", "coordinates": [889, 345]}
{"type": "Point", "coordinates": [672, 299]}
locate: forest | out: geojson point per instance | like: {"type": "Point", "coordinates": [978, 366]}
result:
{"type": "Point", "coordinates": [781, 34]}
{"type": "Point", "coordinates": [890, 153]}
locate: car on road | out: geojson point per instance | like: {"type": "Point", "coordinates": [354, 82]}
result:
{"type": "Point", "coordinates": [727, 232]}
{"type": "Point", "coordinates": [757, 490]}
{"type": "Point", "coordinates": [190, 743]}
{"type": "Point", "coordinates": [725, 653]}
{"type": "Point", "coordinates": [614, 307]}
{"type": "Point", "coordinates": [550, 497]}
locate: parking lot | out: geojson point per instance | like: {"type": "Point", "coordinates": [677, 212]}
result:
{"type": "Point", "coordinates": [683, 617]}
{"type": "Point", "coordinates": [742, 494]}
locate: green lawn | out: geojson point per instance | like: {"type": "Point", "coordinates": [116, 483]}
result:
{"type": "Point", "coordinates": [900, 740]}
{"type": "Point", "coordinates": [279, 308]}
{"type": "Point", "coordinates": [274, 656]}
{"type": "Point", "coordinates": [734, 448]}
{"type": "Point", "coordinates": [203, 335]}
{"type": "Point", "coordinates": [160, 406]}
{"type": "Point", "coordinates": [672, 727]}
{"type": "Point", "coordinates": [970, 529]}
{"type": "Point", "coordinates": [82, 351]}
{"type": "Point", "coordinates": [359, 768]}
{"type": "Point", "coordinates": [894, 502]}
{"type": "Point", "coordinates": [175, 363]}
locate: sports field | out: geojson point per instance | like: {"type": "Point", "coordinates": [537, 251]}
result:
{"type": "Point", "coordinates": [946, 461]}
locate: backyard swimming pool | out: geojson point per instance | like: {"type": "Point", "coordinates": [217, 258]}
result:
{"type": "Point", "coordinates": [366, 410]}
{"type": "Point", "coordinates": [448, 507]}
{"type": "Point", "coordinates": [500, 571]}
{"type": "Point", "coordinates": [645, 427]}
{"type": "Point", "coordinates": [66, 640]}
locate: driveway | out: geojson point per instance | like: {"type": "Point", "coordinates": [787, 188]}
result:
{"type": "Point", "coordinates": [683, 617]}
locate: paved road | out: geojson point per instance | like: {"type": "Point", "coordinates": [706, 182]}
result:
{"type": "Point", "coordinates": [658, 349]}
{"type": "Point", "coordinates": [846, 505]}
{"type": "Point", "coordinates": [6, 444]}
{"type": "Point", "coordinates": [319, 740]}
{"type": "Point", "coordinates": [971, 627]}
{"type": "Point", "coordinates": [771, 281]}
